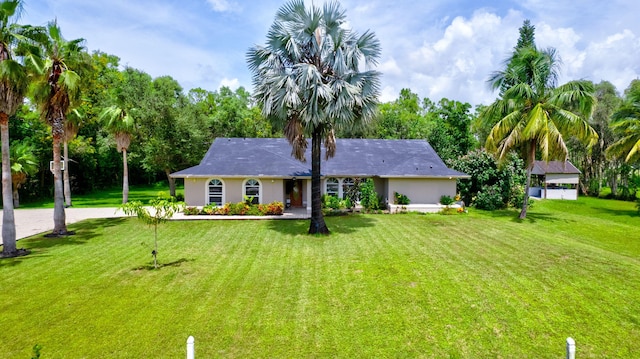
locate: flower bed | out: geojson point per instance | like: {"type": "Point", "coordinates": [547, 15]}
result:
{"type": "Point", "coordinates": [275, 208]}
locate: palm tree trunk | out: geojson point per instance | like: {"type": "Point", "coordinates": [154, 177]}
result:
{"type": "Point", "coordinates": [125, 177]}
{"type": "Point", "coordinates": [65, 173]}
{"type": "Point", "coordinates": [16, 197]}
{"type": "Point", "coordinates": [317, 219]}
{"type": "Point", "coordinates": [59, 219]}
{"type": "Point", "coordinates": [172, 182]}
{"type": "Point", "coordinates": [8, 221]}
{"type": "Point", "coordinates": [531, 158]}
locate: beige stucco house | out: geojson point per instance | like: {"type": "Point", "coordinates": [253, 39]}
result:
{"type": "Point", "coordinates": [263, 169]}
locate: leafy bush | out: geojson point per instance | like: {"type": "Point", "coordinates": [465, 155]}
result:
{"type": "Point", "coordinates": [446, 200]}
{"type": "Point", "coordinates": [190, 211]}
{"type": "Point", "coordinates": [517, 197]}
{"type": "Point", "coordinates": [209, 209]}
{"type": "Point", "coordinates": [369, 198]}
{"type": "Point", "coordinates": [274, 208]}
{"type": "Point", "coordinates": [485, 173]}
{"type": "Point", "coordinates": [332, 202]}
{"type": "Point", "coordinates": [489, 198]}
{"type": "Point", "coordinates": [239, 209]}
{"type": "Point", "coordinates": [401, 199]}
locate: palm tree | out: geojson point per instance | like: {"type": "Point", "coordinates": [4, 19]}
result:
{"type": "Point", "coordinates": [308, 80]}
{"type": "Point", "coordinates": [57, 91]}
{"type": "Point", "coordinates": [14, 82]}
{"type": "Point", "coordinates": [533, 115]}
{"type": "Point", "coordinates": [626, 123]}
{"type": "Point", "coordinates": [71, 126]}
{"type": "Point", "coordinates": [121, 125]}
{"type": "Point", "coordinates": [24, 163]}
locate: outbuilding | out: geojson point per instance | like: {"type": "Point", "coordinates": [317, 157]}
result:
{"type": "Point", "coordinates": [554, 180]}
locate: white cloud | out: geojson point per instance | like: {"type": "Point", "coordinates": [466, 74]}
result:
{"type": "Point", "coordinates": [436, 48]}
{"type": "Point", "coordinates": [233, 84]}
{"type": "Point", "coordinates": [224, 5]}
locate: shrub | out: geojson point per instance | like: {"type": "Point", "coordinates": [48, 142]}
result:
{"type": "Point", "coordinates": [275, 208]}
{"type": "Point", "coordinates": [190, 211]}
{"type": "Point", "coordinates": [209, 209]}
{"type": "Point", "coordinates": [240, 208]}
{"type": "Point", "coordinates": [517, 197]}
{"type": "Point", "coordinates": [400, 198]}
{"type": "Point", "coordinates": [224, 210]}
{"type": "Point", "coordinates": [489, 198]}
{"type": "Point", "coordinates": [368, 195]}
{"type": "Point", "coordinates": [446, 200]}
{"type": "Point", "coordinates": [485, 172]}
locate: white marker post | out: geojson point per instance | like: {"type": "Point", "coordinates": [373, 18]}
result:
{"type": "Point", "coordinates": [571, 348]}
{"type": "Point", "coordinates": [191, 348]}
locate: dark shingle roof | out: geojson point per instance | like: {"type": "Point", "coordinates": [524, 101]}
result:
{"type": "Point", "coordinates": [271, 157]}
{"type": "Point", "coordinates": [544, 167]}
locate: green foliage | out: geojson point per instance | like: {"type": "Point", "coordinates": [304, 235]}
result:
{"type": "Point", "coordinates": [238, 209]}
{"type": "Point", "coordinates": [400, 198]}
{"type": "Point", "coordinates": [626, 124]}
{"type": "Point", "coordinates": [487, 177]}
{"type": "Point", "coordinates": [446, 200]}
{"type": "Point", "coordinates": [450, 134]}
{"type": "Point", "coordinates": [335, 206]}
{"type": "Point", "coordinates": [489, 198]}
{"type": "Point", "coordinates": [369, 198]}
{"type": "Point", "coordinates": [161, 210]}
{"type": "Point", "coordinates": [190, 211]}
{"type": "Point", "coordinates": [37, 349]}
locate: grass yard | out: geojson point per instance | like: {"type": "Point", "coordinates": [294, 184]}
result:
{"type": "Point", "coordinates": [109, 198]}
{"type": "Point", "coordinates": [482, 285]}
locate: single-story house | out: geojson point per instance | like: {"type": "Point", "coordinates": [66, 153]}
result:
{"type": "Point", "coordinates": [263, 169]}
{"type": "Point", "coordinates": [554, 180]}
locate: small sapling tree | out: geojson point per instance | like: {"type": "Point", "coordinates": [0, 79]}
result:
{"type": "Point", "coordinates": [159, 211]}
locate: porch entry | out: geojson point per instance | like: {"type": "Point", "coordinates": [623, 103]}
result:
{"type": "Point", "coordinates": [294, 193]}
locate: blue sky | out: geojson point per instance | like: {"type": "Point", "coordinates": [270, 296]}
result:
{"type": "Point", "coordinates": [437, 48]}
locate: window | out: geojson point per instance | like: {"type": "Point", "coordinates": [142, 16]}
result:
{"type": "Point", "coordinates": [347, 186]}
{"type": "Point", "coordinates": [252, 190]}
{"type": "Point", "coordinates": [332, 187]}
{"type": "Point", "coordinates": [215, 192]}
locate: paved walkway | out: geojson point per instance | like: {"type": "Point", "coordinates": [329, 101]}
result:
{"type": "Point", "coordinates": [30, 222]}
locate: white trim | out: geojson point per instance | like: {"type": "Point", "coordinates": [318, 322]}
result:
{"type": "Point", "coordinates": [206, 189]}
{"type": "Point", "coordinates": [326, 182]}
{"type": "Point", "coordinates": [260, 187]}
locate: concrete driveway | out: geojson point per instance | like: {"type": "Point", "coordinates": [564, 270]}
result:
{"type": "Point", "coordinates": [30, 222]}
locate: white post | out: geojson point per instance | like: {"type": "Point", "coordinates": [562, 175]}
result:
{"type": "Point", "coordinates": [571, 348]}
{"type": "Point", "coordinates": [191, 346]}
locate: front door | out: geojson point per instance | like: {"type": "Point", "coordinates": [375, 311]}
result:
{"type": "Point", "coordinates": [295, 196]}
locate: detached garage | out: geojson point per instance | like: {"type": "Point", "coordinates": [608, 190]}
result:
{"type": "Point", "coordinates": [554, 180]}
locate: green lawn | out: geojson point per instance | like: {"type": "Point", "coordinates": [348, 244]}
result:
{"type": "Point", "coordinates": [108, 198]}
{"type": "Point", "coordinates": [482, 285]}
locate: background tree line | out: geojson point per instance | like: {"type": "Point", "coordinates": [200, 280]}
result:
{"type": "Point", "coordinates": [171, 129]}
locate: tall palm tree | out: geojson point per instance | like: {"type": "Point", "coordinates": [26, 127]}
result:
{"type": "Point", "coordinates": [121, 125]}
{"type": "Point", "coordinates": [15, 51]}
{"type": "Point", "coordinates": [308, 80]}
{"type": "Point", "coordinates": [57, 90]}
{"type": "Point", "coordinates": [71, 127]}
{"type": "Point", "coordinates": [24, 163]}
{"type": "Point", "coordinates": [626, 123]}
{"type": "Point", "coordinates": [533, 115]}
